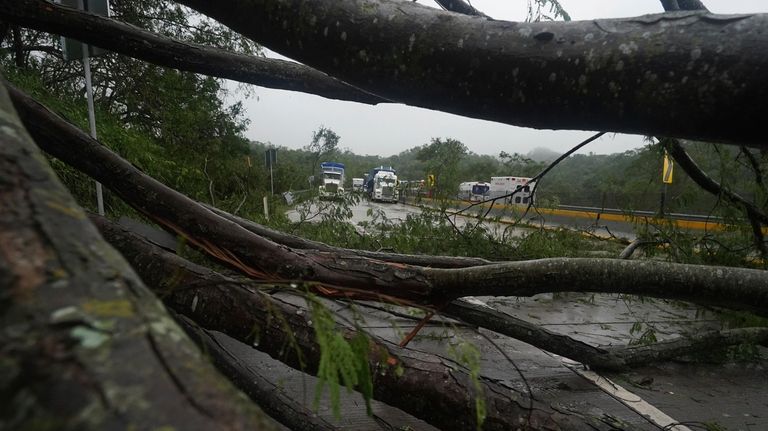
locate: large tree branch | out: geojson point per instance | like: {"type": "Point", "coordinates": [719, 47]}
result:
{"type": "Point", "coordinates": [353, 276]}
{"type": "Point", "coordinates": [84, 345]}
{"type": "Point", "coordinates": [163, 51]}
{"type": "Point", "coordinates": [635, 75]}
{"type": "Point", "coordinates": [424, 385]}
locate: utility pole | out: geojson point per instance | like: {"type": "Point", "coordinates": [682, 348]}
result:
{"type": "Point", "coordinates": [270, 158]}
{"type": "Point", "coordinates": [91, 115]}
{"type": "Point", "coordinates": [74, 50]}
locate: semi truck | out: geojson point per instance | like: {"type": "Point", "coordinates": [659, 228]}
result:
{"type": "Point", "coordinates": [381, 184]}
{"type": "Point", "coordinates": [332, 179]}
{"type": "Point", "coordinates": [357, 184]}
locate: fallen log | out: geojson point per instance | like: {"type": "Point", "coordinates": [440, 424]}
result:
{"type": "Point", "coordinates": [161, 50]}
{"type": "Point", "coordinates": [267, 395]}
{"type": "Point", "coordinates": [629, 75]}
{"type": "Point", "coordinates": [84, 345]}
{"type": "Point", "coordinates": [429, 387]}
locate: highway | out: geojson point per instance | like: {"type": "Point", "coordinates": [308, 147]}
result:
{"type": "Point", "coordinates": [602, 222]}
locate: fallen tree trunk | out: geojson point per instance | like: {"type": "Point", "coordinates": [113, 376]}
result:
{"type": "Point", "coordinates": [429, 387]}
{"type": "Point", "coordinates": [270, 397]}
{"type": "Point", "coordinates": [157, 49]}
{"type": "Point", "coordinates": [84, 344]}
{"type": "Point", "coordinates": [356, 277]}
{"type": "Point", "coordinates": [698, 344]}
{"type": "Point", "coordinates": [604, 358]}
{"type": "Point", "coordinates": [563, 345]}
{"type": "Point", "coordinates": [635, 75]}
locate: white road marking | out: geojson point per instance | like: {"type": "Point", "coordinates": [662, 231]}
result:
{"type": "Point", "coordinates": [629, 399]}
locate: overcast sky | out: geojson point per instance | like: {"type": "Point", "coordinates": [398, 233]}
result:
{"type": "Point", "coordinates": [288, 119]}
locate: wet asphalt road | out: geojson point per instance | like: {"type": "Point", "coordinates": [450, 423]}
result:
{"type": "Point", "coordinates": [400, 211]}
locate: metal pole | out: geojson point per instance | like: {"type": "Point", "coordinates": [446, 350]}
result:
{"type": "Point", "coordinates": [271, 179]}
{"type": "Point", "coordinates": [92, 119]}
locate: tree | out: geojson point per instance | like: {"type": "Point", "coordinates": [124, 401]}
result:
{"type": "Point", "coordinates": [324, 143]}
{"type": "Point", "coordinates": [441, 158]}
{"type": "Point", "coordinates": [450, 69]}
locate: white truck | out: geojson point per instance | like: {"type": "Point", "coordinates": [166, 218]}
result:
{"type": "Point", "coordinates": [357, 184]}
{"type": "Point", "coordinates": [522, 186]}
{"type": "Point", "coordinates": [474, 191]}
{"type": "Point", "coordinates": [381, 185]}
{"type": "Point", "coordinates": [333, 179]}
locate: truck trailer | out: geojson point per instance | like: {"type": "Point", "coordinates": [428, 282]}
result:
{"type": "Point", "coordinates": [522, 186]}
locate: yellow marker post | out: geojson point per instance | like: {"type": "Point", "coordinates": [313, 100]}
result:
{"type": "Point", "coordinates": [666, 173]}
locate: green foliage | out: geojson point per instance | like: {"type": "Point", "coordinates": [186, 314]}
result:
{"type": "Point", "coordinates": [342, 361]}
{"type": "Point", "coordinates": [442, 158]}
{"type": "Point", "coordinates": [647, 335]}
{"type": "Point", "coordinates": [173, 125]}
{"type": "Point", "coordinates": [546, 10]}
{"type": "Point", "coordinates": [325, 143]}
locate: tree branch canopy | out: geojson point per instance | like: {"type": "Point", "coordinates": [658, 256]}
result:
{"type": "Point", "coordinates": [685, 74]}
{"type": "Point", "coordinates": [157, 49]}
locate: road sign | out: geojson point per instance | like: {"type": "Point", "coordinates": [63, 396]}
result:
{"type": "Point", "coordinates": [73, 49]}
{"type": "Point", "coordinates": [270, 157]}
{"type": "Point", "coordinates": [666, 172]}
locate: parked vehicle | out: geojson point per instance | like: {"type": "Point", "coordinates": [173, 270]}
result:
{"type": "Point", "coordinates": [501, 186]}
{"type": "Point", "coordinates": [332, 179]}
{"type": "Point", "coordinates": [357, 184]}
{"type": "Point", "coordinates": [474, 190]}
{"type": "Point", "coordinates": [381, 184]}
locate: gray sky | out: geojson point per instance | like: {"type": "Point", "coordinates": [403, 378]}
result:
{"type": "Point", "coordinates": [288, 118]}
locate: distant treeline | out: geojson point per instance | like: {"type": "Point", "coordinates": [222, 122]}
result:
{"type": "Point", "coordinates": [629, 180]}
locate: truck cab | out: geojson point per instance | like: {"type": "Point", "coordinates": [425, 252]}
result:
{"type": "Point", "coordinates": [332, 179]}
{"type": "Point", "coordinates": [381, 184]}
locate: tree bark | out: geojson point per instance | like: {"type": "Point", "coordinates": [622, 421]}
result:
{"type": "Point", "coordinates": [135, 42]}
{"type": "Point", "coordinates": [351, 276]}
{"type": "Point", "coordinates": [84, 344]}
{"type": "Point", "coordinates": [636, 75]}
{"type": "Point", "coordinates": [270, 397]}
{"type": "Point", "coordinates": [563, 345]}
{"type": "Point", "coordinates": [694, 344]}
{"type": "Point", "coordinates": [427, 386]}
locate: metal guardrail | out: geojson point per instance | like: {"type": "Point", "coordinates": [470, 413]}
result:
{"type": "Point", "coordinates": [641, 213]}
